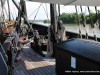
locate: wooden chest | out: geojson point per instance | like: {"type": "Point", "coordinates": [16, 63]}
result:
{"type": "Point", "coordinates": [77, 56]}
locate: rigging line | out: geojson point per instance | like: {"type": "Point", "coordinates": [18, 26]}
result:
{"type": "Point", "coordinates": [97, 16]}
{"type": "Point", "coordinates": [6, 13]}
{"type": "Point", "coordinates": [84, 23]}
{"type": "Point", "coordinates": [46, 10]}
{"type": "Point", "coordinates": [9, 10]}
{"type": "Point", "coordinates": [92, 25]}
{"type": "Point", "coordinates": [85, 10]}
{"type": "Point", "coordinates": [14, 7]}
{"type": "Point", "coordinates": [45, 13]}
{"type": "Point", "coordinates": [35, 11]}
{"type": "Point", "coordinates": [78, 22]}
{"type": "Point", "coordinates": [12, 16]}
{"type": "Point", "coordinates": [13, 13]}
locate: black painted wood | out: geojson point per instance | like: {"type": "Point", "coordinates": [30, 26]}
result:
{"type": "Point", "coordinates": [87, 56]}
{"type": "Point", "coordinates": [3, 68]}
{"type": "Point", "coordinates": [3, 65]}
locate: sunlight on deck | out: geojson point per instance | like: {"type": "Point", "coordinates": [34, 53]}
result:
{"type": "Point", "coordinates": [32, 63]}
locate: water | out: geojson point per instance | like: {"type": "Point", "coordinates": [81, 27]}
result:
{"type": "Point", "coordinates": [74, 28]}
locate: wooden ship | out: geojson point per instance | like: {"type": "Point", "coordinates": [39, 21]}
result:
{"type": "Point", "coordinates": [47, 50]}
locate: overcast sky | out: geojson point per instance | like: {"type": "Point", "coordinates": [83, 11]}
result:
{"type": "Point", "coordinates": [32, 6]}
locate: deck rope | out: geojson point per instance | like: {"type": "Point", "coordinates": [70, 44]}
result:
{"type": "Point", "coordinates": [84, 23]}
{"type": "Point", "coordinates": [59, 36]}
{"type": "Point", "coordinates": [46, 12]}
{"type": "Point", "coordinates": [49, 43]}
{"type": "Point", "coordinates": [6, 13]}
{"type": "Point", "coordinates": [78, 22]}
{"type": "Point", "coordinates": [97, 22]}
{"type": "Point", "coordinates": [35, 11]}
{"type": "Point", "coordinates": [92, 25]}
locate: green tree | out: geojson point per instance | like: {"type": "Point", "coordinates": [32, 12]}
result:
{"type": "Point", "coordinates": [46, 21]}
{"type": "Point", "coordinates": [72, 17]}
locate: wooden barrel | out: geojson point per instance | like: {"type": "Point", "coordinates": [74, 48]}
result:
{"type": "Point", "coordinates": [9, 28]}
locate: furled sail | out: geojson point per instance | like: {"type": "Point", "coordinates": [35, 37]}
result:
{"type": "Point", "coordinates": [71, 2]}
{"type": "Point", "coordinates": [63, 2]}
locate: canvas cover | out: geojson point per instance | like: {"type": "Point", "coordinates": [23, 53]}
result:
{"type": "Point", "coordinates": [71, 2]}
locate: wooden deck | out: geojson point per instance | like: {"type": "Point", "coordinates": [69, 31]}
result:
{"type": "Point", "coordinates": [32, 63]}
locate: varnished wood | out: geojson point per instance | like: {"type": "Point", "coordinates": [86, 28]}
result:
{"type": "Point", "coordinates": [8, 29]}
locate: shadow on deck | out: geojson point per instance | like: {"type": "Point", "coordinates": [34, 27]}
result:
{"type": "Point", "coordinates": [32, 63]}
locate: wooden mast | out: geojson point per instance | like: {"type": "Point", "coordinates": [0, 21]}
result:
{"type": "Point", "coordinates": [53, 17]}
{"type": "Point", "coordinates": [53, 25]}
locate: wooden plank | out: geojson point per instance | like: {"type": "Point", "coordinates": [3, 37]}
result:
{"type": "Point", "coordinates": [37, 67]}
{"type": "Point", "coordinates": [14, 71]}
{"type": "Point", "coordinates": [43, 63]}
{"type": "Point", "coordinates": [20, 71]}
{"type": "Point", "coordinates": [23, 67]}
{"type": "Point", "coordinates": [32, 63]}
{"type": "Point", "coordinates": [46, 63]}
{"type": "Point", "coordinates": [28, 64]}
{"type": "Point", "coordinates": [49, 59]}
{"type": "Point", "coordinates": [44, 58]}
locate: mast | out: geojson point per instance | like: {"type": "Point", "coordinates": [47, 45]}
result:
{"type": "Point", "coordinates": [53, 25]}
{"type": "Point", "coordinates": [59, 11]}
{"type": "Point", "coordinates": [53, 17]}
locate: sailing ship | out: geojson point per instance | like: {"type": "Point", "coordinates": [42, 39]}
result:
{"type": "Point", "coordinates": [53, 51]}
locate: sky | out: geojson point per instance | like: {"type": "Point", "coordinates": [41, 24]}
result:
{"type": "Point", "coordinates": [32, 6]}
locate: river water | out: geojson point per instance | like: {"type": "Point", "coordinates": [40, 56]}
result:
{"type": "Point", "coordinates": [74, 28]}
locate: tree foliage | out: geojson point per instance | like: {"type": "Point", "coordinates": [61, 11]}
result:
{"type": "Point", "coordinates": [46, 21]}
{"type": "Point", "coordinates": [72, 17]}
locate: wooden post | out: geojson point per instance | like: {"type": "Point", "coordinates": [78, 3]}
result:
{"type": "Point", "coordinates": [53, 17]}
{"type": "Point", "coordinates": [54, 25]}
